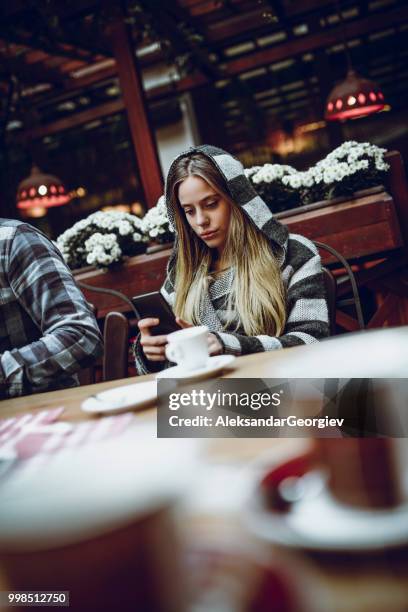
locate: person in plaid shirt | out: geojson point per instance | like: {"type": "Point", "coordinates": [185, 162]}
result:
{"type": "Point", "coordinates": [47, 331]}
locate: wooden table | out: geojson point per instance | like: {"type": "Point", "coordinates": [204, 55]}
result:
{"type": "Point", "coordinates": [374, 582]}
{"type": "Point", "coordinates": [258, 365]}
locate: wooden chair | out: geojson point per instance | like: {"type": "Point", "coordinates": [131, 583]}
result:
{"type": "Point", "coordinates": [115, 335]}
{"type": "Point", "coordinates": [331, 288]}
{"type": "Point", "coordinates": [116, 352]}
{"type": "Point", "coordinates": [86, 376]}
{"type": "Point", "coordinates": [331, 294]}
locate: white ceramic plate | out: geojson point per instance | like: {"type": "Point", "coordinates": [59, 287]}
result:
{"type": "Point", "coordinates": [214, 366]}
{"type": "Point", "coordinates": [319, 522]}
{"type": "Point", "coordinates": [121, 399]}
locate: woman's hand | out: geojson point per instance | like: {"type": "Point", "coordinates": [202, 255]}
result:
{"type": "Point", "coordinates": [153, 346]}
{"type": "Point", "coordinates": [214, 345]}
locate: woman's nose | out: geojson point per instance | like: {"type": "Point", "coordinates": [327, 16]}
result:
{"type": "Point", "coordinates": [202, 218]}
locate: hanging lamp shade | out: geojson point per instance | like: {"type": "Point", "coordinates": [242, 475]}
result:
{"type": "Point", "coordinates": [40, 191]}
{"type": "Point", "coordinates": [354, 97]}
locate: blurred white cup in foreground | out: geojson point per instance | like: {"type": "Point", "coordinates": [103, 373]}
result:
{"type": "Point", "coordinates": [99, 522]}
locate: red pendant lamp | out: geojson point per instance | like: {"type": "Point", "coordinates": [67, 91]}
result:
{"type": "Point", "coordinates": [40, 191]}
{"type": "Point", "coordinates": [355, 96]}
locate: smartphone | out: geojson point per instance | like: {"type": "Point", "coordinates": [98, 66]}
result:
{"type": "Point", "coordinates": [154, 305]}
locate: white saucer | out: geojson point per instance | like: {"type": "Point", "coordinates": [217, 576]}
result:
{"type": "Point", "coordinates": [214, 365]}
{"type": "Point", "coordinates": [123, 398]}
{"type": "Point", "coordinates": [319, 522]}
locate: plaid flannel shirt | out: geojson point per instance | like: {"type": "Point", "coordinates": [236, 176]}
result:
{"type": "Point", "coordinates": [47, 331]}
{"type": "Point", "coordinates": [307, 314]}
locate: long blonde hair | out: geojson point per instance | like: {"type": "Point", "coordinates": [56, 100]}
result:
{"type": "Point", "coordinates": [256, 302]}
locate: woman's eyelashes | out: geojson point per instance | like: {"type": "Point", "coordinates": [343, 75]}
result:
{"type": "Point", "coordinates": [207, 206]}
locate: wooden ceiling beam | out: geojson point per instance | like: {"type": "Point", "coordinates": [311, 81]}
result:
{"type": "Point", "coordinates": [73, 121]}
{"type": "Point", "coordinates": [107, 109]}
{"type": "Point", "coordinates": [83, 37]}
{"type": "Point", "coordinates": [256, 59]}
{"type": "Point", "coordinates": [168, 19]}
{"type": "Point", "coordinates": [259, 58]}
{"type": "Point", "coordinates": [295, 9]}
{"type": "Point", "coordinates": [306, 44]}
{"type": "Point", "coordinates": [55, 49]}
{"type": "Point", "coordinates": [110, 108]}
{"type": "Point", "coordinates": [10, 10]}
{"type": "Point", "coordinates": [73, 85]}
{"type": "Point", "coordinates": [178, 87]}
{"type": "Point", "coordinates": [31, 73]}
{"type": "Point", "coordinates": [211, 10]}
{"type": "Point", "coordinates": [69, 84]}
{"type": "Point", "coordinates": [232, 29]}
{"type": "Point", "coordinates": [80, 41]}
{"type": "Point", "coordinates": [221, 31]}
{"type": "Point", "coordinates": [251, 21]}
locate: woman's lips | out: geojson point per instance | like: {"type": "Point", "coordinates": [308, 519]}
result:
{"type": "Point", "coordinates": [208, 235]}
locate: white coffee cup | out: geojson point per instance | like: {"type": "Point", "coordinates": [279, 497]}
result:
{"type": "Point", "coordinates": [96, 521]}
{"type": "Point", "coordinates": [189, 347]}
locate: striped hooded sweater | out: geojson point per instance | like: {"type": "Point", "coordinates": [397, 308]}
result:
{"type": "Point", "coordinates": [307, 314]}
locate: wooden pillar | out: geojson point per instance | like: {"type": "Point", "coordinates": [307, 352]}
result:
{"type": "Point", "coordinates": [136, 108]}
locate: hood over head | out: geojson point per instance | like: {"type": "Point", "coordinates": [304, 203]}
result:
{"type": "Point", "coordinates": [241, 192]}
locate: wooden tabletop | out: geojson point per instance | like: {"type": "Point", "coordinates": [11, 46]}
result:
{"type": "Point", "coordinates": [348, 582]}
{"type": "Point", "coordinates": [258, 365]}
{"type": "Point", "coordinates": [225, 449]}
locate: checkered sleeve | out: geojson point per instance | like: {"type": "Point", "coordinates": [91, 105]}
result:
{"type": "Point", "coordinates": [45, 289]}
{"type": "Point", "coordinates": [307, 314]}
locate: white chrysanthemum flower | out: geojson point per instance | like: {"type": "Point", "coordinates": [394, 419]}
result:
{"type": "Point", "coordinates": [328, 176]}
{"type": "Point", "coordinates": [269, 173]}
{"type": "Point", "coordinates": [362, 164]}
{"type": "Point", "coordinates": [80, 225]}
{"type": "Point", "coordinates": [155, 222]}
{"type": "Point", "coordinates": [109, 240]}
{"type": "Point", "coordinates": [250, 171]}
{"type": "Point", "coordinates": [79, 245]}
{"type": "Point", "coordinates": [124, 228]}
{"type": "Point", "coordinates": [293, 180]}
{"type": "Point", "coordinates": [308, 180]}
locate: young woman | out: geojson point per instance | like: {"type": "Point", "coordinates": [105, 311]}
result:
{"type": "Point", "coordinates": [233, 267]}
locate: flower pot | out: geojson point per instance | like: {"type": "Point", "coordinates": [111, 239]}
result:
{"type": "Point", "coordinates": [155, 247]}
{"type": "Point", "coordinates": [134, 276]}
